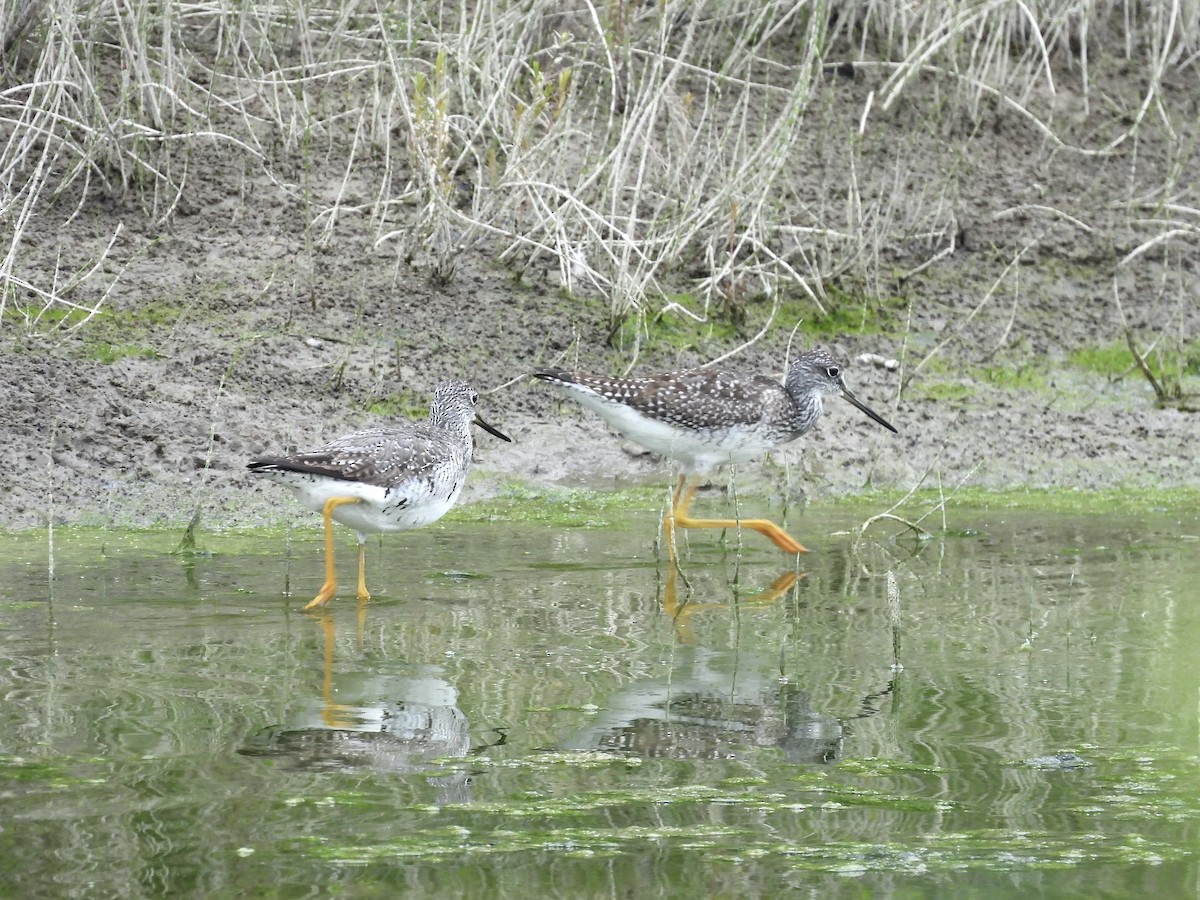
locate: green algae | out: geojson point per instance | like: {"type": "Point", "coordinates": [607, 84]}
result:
{"type": "Point", "coordinates": [982, 849]}
{"type": "Point", "coordinates": [563, 507]}
{"type": "Point", "coordinates": [55, 773]}
{"type": "Point", "coordinates": [557, 826]}
{"type": "Point", "coordinates": [522, 503]}
{"type": "Point", "coordinates": [580, 507]}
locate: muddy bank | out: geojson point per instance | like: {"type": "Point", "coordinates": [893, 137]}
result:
{"type": "Point", "coordinates": [228, 334]}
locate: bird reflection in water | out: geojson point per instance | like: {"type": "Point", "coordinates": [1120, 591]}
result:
{"type": "Point", "coordinates": [705, 709]}
{"type": "Point", "coordinates": [701, 714]}
{"type": "Point", "coordinates": [394, 736]}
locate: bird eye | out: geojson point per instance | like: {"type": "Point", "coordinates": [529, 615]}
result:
{"type": "Point", "coordinates": [474, 397]}
{"type": "Point", "coordinates": [833, 371]}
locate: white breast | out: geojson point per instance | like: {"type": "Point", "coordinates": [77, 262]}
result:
{"type": "Point", "coordinates": [378, 509]}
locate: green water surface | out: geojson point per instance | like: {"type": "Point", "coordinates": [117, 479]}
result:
{"type": "Point", "coordinates": [525, 710]}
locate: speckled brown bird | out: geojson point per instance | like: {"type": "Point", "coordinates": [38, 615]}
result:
{"type": "Point", "coordinates": [703, 418]}
{"type": "Point", "coordinates": [384, 479]}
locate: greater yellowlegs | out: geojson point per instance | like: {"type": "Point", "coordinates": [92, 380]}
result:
{"type": "Point", "coordinates": [702, 418]}
{"type": "Point", "coordinates": [384, 479]}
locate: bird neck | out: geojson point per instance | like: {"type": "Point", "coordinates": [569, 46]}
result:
{"type": "Point", "coordinates": [806, 409]}
{"type": "Point", "coordinates": [458, 425]}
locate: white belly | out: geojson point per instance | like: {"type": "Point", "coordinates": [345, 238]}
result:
{"type": "Point", "coordinates": [696, 451]}
{"type": "Point", "coordinates": [378, 509]}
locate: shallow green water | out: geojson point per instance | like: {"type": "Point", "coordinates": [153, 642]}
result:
{"type": "Point", "coordinates": [530, 711]}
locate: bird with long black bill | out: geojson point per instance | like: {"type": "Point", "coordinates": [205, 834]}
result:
{"type": "Point", "coordinates": [391, 478]}
{"type": "Point", "coordinates": [706, 417]}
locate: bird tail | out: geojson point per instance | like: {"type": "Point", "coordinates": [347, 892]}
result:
{"type": "Point", "coordinates": [555, 376]}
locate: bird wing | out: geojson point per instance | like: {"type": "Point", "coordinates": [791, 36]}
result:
{"type": "Point", "coordinates": [372, 456]}
{"type": "Point", "coordinates": [702, 397]}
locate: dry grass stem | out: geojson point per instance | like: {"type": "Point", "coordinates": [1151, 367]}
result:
{"type": "Point", "coordinates": [646, 154]}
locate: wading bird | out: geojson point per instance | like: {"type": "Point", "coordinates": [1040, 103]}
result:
{"type": "Point", "coordinates": [703, 418]}
{"type": "Point", "coordinates": [391, 478]}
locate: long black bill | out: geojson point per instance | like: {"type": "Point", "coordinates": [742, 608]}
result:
{"type": "Point", "coordinates": [504, 437]}
{"type": "Point", "coordinates": [870, 412]}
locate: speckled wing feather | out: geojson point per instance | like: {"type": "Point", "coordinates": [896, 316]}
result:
{"type": "Point", "coordinates": [377, 456]}
{"type": "Point", "coordinates": [695, 398]}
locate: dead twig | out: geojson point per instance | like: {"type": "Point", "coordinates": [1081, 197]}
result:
{"type": "Point", "coordinates": [1159, 391]}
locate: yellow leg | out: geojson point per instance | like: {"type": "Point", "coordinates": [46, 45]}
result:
{"type": "Point", "coordinates": [682, 499]}
{"type": "Point", "coordinates": [669, 518]}
{"type": "Point", "coordinates": [329, 588]}
{"type": "Point", "coordinates": [363, 594]}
